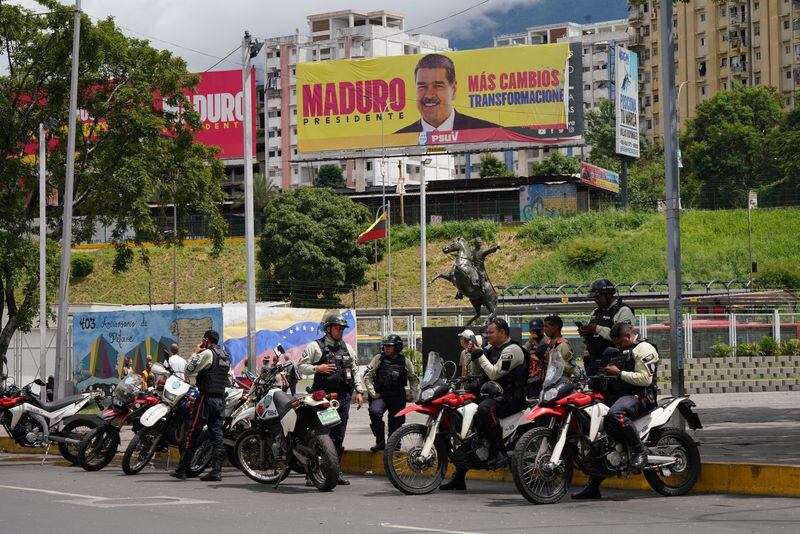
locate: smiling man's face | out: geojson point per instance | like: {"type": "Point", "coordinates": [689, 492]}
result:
{"type": "Point", "coordinates": [435, 95]}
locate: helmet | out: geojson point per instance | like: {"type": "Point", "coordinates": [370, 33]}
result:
{"type": "Point", "coordinates": [393, 340]}
{"type": "Point", "coordinates": [491, 390]}
{"type": "Point", "coordinates": [602, 286]}
{"type": "Point", "coordinates": [536, 324]}
{"type": "Point", "coordinates": [335, 319]}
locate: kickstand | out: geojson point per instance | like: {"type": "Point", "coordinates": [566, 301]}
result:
{"type": "Point", "coordinates": [283, 476]}
{"type": "Point", "coordinates": [46, 452]}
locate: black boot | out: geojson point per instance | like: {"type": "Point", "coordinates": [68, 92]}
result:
{"type": "Point", "coordinates": [638, 458]}
{"type": "Point", "coordinates": [180, 470]}
{"type": "Point", "coordinates": [215, 475]}
{"type": "Point", "coordinates": [341, 481]}
{"type": "Point", "coordinates": [456, 482]}
{"type": "Point", "coordinates": [378, 430]}
{"type": "Point", "coordinates": [591, 491]}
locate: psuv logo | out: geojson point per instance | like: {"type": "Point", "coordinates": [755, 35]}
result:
{"type": "Point", "coordinates": [423, 138]}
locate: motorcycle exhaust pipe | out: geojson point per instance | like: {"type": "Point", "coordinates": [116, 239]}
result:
{"type": "Point", "coordinates": [63, 439]}
{"type": "Point", "coordinates": [660, 460]}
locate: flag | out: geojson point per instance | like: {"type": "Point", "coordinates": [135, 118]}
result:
{"type": "Point", "coordinates": [376, 231]}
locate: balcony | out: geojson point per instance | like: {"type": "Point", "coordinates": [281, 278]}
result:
{"type": "Point", "coordinates": [636, 17]}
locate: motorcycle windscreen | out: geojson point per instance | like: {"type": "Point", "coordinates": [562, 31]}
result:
{"type": "Point", "coordinates": [555, 369]}
{"type": "Point", "coordinates": [433, 370]}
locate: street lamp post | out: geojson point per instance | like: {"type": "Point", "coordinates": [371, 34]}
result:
{"type": "Point", "coordinates": [423, 243]}
{"type": "Point", "coordinates": [678, 120]}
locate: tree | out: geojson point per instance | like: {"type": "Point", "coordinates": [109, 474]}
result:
{"type": "Point", "coordinates": [557, 164]}
{"type": "Point", "coordinates": [726, 146]}
{"type": "Point", "coordinates": [601, 136]}
{"type": "Point", "coordinates": [307, 251]}
{"type": "Point", "coordinates": [329, 176]}
{"type": "Point", "coordinates": [130, 153]}
{"type": "Point", "coordinates": [646, 182]}
{"type": "Point", "coordinates": [491, 167]}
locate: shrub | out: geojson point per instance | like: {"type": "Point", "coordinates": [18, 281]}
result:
{"type": "Point", "coordinates": [779, 274]}
{"type": "Point", "coordinates": [82, 265]}
{"type": "Point", "coordinates": [416, 359]}
{"type": "Point", "coordinates": [789, 347]}
{"type": "Point", "coordinates": [721, 350]}
{"type": "Point", "coordinates": [748, 350]}
{"type": "Point", "coordinates": [407, 236]}
{"type": "Point", "coordinates": [551, 230]}
{"type": "Point", "coordinates": [587, 251]}
{"type": "Point", "coordinates": [768, 346]}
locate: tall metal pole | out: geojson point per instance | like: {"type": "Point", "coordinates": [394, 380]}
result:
{"type": "Point", "coordinates": [673, 190]}
{"type": "Point", "coordinates": [423, 247]}
{"type": "Point", "coordinates": [750, 241]}
{"type": "Point", "coordinates": [174, 254]}
{"type": "Point", "coordinates": [42, 253]}
{"type": "Point", "coordinates": [389, 263]}
{"type": "Point", "coordinates": [60, 376]}
{"type": "Point", "coordinates": [249, 231]}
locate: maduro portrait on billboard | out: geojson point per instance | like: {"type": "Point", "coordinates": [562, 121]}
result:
{"type": "Point", "coordinates": [476, 96]}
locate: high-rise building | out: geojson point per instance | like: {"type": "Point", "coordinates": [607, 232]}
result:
{"type": "Point", "coordinates": [717, 45]}
{"type": "Point", "coordinates": [337, 35]}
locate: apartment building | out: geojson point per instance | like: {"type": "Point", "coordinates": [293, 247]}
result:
{"type": "Point", "coordinates": [717, 45]}
{"type": "Point", "coordinates": [348, 34]}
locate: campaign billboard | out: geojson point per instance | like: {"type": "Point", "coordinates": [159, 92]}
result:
{"type": "Point", "coordinates": [599, 177]}
{"type": "Point", "coordinates": [515, 94]}
{"type": "Point", "coordinates": [626, 101]}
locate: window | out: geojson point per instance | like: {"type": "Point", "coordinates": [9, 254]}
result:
{"type": "Point", "coordinates": [725, 85]}
{"type": "Point", "coordinates": [756, 6]}
{"type": "Point", "coordinates": [722, 11]}
{"type": "Point", "coordinates": [702, 17]}
{"type": "Point", "coordinates": [788, 75]}
{"type": "Point", "coordinates": [786, 24]}
{"type": "Point", "coordinates": [647, 101]}
{"type": "Point", "coordinates": [723, 62]}
{"type": "Point", "coordinates": [758, 79]}
{"type": "Point", "coordinates": [702, 68]}
{"type": "Point", "coordinates": [758, 55]}
{"type": "Point", "coordinates": [587, 87]}
{"type": "Point", "coordinates": [655, 98]}
{"type": "Point", "coordinates": [703, 90]}
{"type": "Point", "coordinates": [702, 41]}
{"type": "Point", "coordinates": [649, 124]}
{"type": "Point", "coordinates": [369, 165]}
{"type": "Point", "coordinates": [756, 29]}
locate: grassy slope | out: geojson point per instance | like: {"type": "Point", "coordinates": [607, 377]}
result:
{"type": "Point", "coordinates": [714, 245]}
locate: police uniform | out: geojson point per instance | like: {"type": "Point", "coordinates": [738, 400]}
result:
{"type": "Point", "coordinates": [604, 319]}
{"type": "Point", "coordinates": [505, 365]}
{"type": "Point", "coordinates": [389, 377]}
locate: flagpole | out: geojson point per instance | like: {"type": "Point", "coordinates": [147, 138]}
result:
{"type": "Point", "coordinates": [389, 263]}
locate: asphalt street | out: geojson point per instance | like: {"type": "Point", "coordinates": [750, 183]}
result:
{"type": "Point", "coordinates": [49, 499]}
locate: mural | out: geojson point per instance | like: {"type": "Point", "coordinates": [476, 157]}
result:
{"type": "Point", "coordinates": [546, 199]}
{"type": "Point", "coordinates": [293, 328]}
{"type": "Point", "coordinates": [102, 340]}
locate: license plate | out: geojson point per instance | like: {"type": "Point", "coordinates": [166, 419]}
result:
{"type": "Point", "coordinates": [329, 417]}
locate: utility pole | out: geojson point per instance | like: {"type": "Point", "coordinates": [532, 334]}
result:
{"type": "Point", "coordinates": [60, 376]}
{"type": "Point", "coordinates": [42, 253]}
{"type": "Point", "coordinates": [673, 193]}
{"type": "Point", "coordinates": [423, 243]}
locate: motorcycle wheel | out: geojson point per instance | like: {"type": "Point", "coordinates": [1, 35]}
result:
{"type": "Point", "coordinates": [98, 447]}
{"type": "Point", "coordinates": [682, 475]}
{"type": "Point", "coordinates": [254, 455]}
{"type": "Point", "coordinates": [323, 468]}
{"type": "Point", "coordinates": [534, 480]}
{"type": "Point", "coordinates": [75, 429]}
{"type": "Point", "coordinates": [140, 450]}
{"type": "Point", "coordinates": [203, 454]}
{"type": "Point", "coordinates": [406, 470]}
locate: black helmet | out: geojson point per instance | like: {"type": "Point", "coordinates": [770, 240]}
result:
{"type": "Point", "coordinates": [393, 340]}
{"type": "Point", "coordinates": [535, 324]}
{"type": "Point", "coordinates": [335, 319]}
{"type": "Point", "coordinates": [602, 286]}
{"type": "Point", "coordinates": [491, 390]}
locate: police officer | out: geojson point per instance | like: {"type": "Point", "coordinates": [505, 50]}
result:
{"type": "Point", "coordinates": [333, 365]}
{"type": "Point", "coordinates": [212, 368]}
{"type": "Point", "coordinates": [505, 374]}
{"type": "Point", "coordinates": [386, 379]}
{"type": "Point", "coordinates": [597, 334]}
{"type": "Point", "coordinates": [630, 396]}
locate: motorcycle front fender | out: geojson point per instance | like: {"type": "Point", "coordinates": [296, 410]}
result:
{"type": "Point", "coordinates": [413, 407]}
{"type": "Point", "coordinates": [244, 415]}
{"type": "Point", "coordinates": [541, 411]}
{"type": "Point", "coordinates": [154, 414]}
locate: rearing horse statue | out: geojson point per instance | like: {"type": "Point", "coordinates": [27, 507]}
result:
{"type": "Point", "coordinates": [470, 278]}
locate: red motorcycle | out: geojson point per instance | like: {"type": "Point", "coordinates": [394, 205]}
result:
{"type": "Point", "coordinates": [128, 402]}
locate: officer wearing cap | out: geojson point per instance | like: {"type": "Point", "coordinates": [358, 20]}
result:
{"type": "Point", "coordinates": [386, 380]}
{"type": "Point", "coordinates": [597, 334]}
{"type": "Point", "coordinates": [333, 366]}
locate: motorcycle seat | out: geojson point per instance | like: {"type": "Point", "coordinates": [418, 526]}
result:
{"type": "Point", "coordinates": [55, 405]}
{"type": "Point", "coordinates": [282, 402]}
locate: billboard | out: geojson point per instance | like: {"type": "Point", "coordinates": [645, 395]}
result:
{"type": "Point", "coordinates": [537, 200]}
{"type": "Point", "coordinates": [626, 102]}
{"type": "Point", "coordinates": [102, 340]}
{"type": "Point", "coordinates": [599, 177]}
{"type": "Point", "coordinates": [219, 99]}
{"type": "Point", "coordinates": [515, 94]}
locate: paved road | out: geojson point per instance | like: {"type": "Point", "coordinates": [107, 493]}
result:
{"type": "Point", "coordinates": [52, 499]}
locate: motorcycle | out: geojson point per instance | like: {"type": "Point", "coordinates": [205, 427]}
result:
{"type": "Point", "coordinates": [290, 434]}
{"type": "Point", "coordinates": [128, 402]}
{"type": "Point", "coordinates": [569, 432]}
{"type": "Point", "coordinates": [416, 455]}
{"type": "Point", "coordinates": [32, 422]}
{"type": "Point", "coordinates": [163, 425]}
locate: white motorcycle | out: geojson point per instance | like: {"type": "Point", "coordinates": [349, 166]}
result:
{"type": "Point", "coordinates": [570, 432]}
{"type": "Point", "coordinates": [32, 422]}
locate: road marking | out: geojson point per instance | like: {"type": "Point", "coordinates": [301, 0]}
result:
{"type": "Point", "coordinates": [423, 529]}
{"type": "Point", "coordinates": [112, 502]}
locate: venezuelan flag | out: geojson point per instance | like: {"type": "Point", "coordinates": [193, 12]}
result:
{"type": "Point", "coordinates": [376, 231]}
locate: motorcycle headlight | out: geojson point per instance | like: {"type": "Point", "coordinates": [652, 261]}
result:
{"type": "Point", "coordinates": [550, 395]}
{"type": "Point", "coordinates": [426, 395]}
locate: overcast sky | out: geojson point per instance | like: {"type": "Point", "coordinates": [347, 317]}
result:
{"type": "Point", "coordinates": [216, 27]}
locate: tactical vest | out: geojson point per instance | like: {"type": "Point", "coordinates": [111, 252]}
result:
{"type": "Point", "coordinates": [514, 382]}
{"type": "Point", "coordinates": [341, 381]}
{"type": "Point", "coordinates": [597, 344]}
{"type": "Point", "coordinates": [391, 376]}
{"type": "Point", "coordinates": [213, 380]}
{"type": "Point", "coordinates": [620, 388]}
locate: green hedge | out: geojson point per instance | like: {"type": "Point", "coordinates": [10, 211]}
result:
{"type": "Point", "coordinates": [82, 265]}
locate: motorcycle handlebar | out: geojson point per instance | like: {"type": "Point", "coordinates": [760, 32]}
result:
{"type": "Point", "coordinates": [603, 377]}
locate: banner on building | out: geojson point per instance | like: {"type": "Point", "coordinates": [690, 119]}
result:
{"type": "Point", "coordinates": [599, 177]}
{"type": "Point", "coordinates": [626, 101]}
{"type": "Point", "coordinates": [537, 200]}
{"type": "Point", "coordinates": [102, 340]}
{"type": "Point", "coordinates": [515, 94]}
